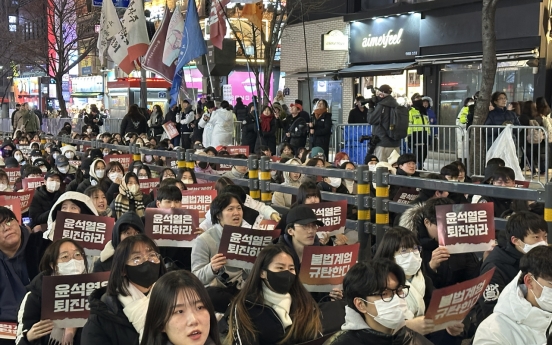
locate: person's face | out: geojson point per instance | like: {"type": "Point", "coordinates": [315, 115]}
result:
{"type": "Point", "coordinates": [532, 238]}
{"type": "Point", "coordinates": [266, 112]}
{"type": "Point", "coordinates": [232, 214]}
{"type": "Point", "coordinates": [142, 173]}
{"type": "Point", "coordinates": [349, 166]}
{"type": "Point", "coordinates": [426, 104]}
{"type": "Point", "coordinates": [287, 151]}
{"type": "Point", "coordinates": [303, 234]}
{"type": "Point", "coordinates": [241, 169]}
{"type": "Point", "coordinates": [186, 175]}
{"type": "Point", "coordinates": [370, 308]}
{"type": "Point", "coordinates": [313, 199]}
{"type": "Point", "coordinates": [10, 235]}
{"type": "Point", "coordinates": [461, 175]}
{"type": "Point", "coordinates": [190, 322]}
{"type": "Point", "coordinates": [501, 101]}
{"type": "Point", "coordinates": [294, 176]}
{"type": "Point", "coordinates": [321, 105]}
{"type": "Point", "coordinates": [100, 166]}
{"type": "Point", "coordinates": [26, 107]}
{"type": "Point", "coordinates": [451, 178]}
{"type": "Point", "coordinates": [166, 204]}
{"type": "Point", "coordinates": [508, 183]}
{"type": "Point", "coordinates": [130, 231]}
{"type": "Point", "coordinates": [359, 104]}
{"type": "Point", "coordinates": [210, 153]}
{"type": "Point", "coordinates": [100, 201]}
{"type": "Point", "coordinates": [115, 168]}
{"type": "Point", "coordinates": [69, 206]}
{"type": "Point", "coordinates": [67, 252]}
{"type": "Point", "coordinates": [280, 263]}
{"type": "Point", "coordinates": [168, 174]}
{"type": "Point", "coordinates": [294, 110]}
{"type": "Point", "coordinates": [320, 164]}
{"type": "Point", "coordinates": [267, 153]}
{"type": "Point", "coordinates": [132, 182]}
{"type": "Point", "coordinates": [408, 167]}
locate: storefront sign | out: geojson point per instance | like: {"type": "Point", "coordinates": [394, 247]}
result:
{"type": "Point", "coordinates": [87, 84]}
{"type": "Point", "coordinates": [334, 40]}
{"type": "Point", "coordinates": [385, 39]}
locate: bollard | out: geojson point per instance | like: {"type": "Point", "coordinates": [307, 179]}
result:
{"type": "Point", "coordinates": [180, 158]}
{"type": "Point", "coordinates": [364, 229]}
{"type": "Point", "coordinates": [548, 209]}
{"type": "Point", "coordinates": [253, 167]}
{"type": "Point", "coordinates": [190, 163]}
{"type": "Point", "coordinates": [135, 150]}
{"type": "Point", "coordinates": [264, 180]}
{"type": "Point", "coordinates": [382, 196]}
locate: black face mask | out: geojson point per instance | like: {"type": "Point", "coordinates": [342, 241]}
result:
{"type": "Point", "coordinates": [6, 153]}
{"type": "Point", "coordinates": [280, 282]}
{"type": "Point", "coordinates": [144, 275]}
{"type": "Point", "coordinates": [203, 165]}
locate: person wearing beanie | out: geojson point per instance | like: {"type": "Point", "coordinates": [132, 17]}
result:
{"type": "Point", "coordinates": [67, 172]}
{"type": "Point", "coordinates": [406, 167]}
{"type": "Point", "coordinates": [95, 154]}
{"type": "Point", "coordinates": [379, 118]}
{"type": "Point", "coordinates": [42, 164]}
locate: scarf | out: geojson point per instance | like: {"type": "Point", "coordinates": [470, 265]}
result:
{"type": "Point", "coordinates": [265, 122]}
{"type": "Point", "coordinates": [123, 199]}
{"type": "Point", "coordinates": [319, 112]}
{"type": "Point", "coordinates": [106, 213]}
{"type": "Point", "coordinates": [135, 307]}
{"type": "Point", "coordinates": [415, 298]}
{"type": "Point", "coordinates": [280, 303]}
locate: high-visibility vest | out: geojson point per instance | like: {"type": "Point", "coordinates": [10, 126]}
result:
{"type": "Point", "coordinates": [416, 118]}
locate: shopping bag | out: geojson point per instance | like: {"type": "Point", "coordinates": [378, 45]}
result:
{"type": "Point", "coordinates": [503, 147]}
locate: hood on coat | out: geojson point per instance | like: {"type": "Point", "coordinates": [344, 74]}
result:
{"type": "Point", "coordinates": [92, 171]}
{"type": "Point", "coordinates": [288, 180]}
{"type": "Point", "coordinates": [107, 252]}
{"type": "Point", "coordinates": [83, 201]}
{"type": "Point", "coordinates": [353, 320]}
{"type": "Point", "coordinates": [412, 217]}
{"type": "Point", "coordinates": [130, 218]}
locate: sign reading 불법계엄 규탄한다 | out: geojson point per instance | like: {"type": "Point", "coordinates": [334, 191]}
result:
{"type": "Point", "coordinates": [25, 197]}
{"type": "Point", "coordinates": [241, 246]}
{"type": "Point", "coordinates": [125, 160]}
{"type": "Point", "coordinates": [199, 200]}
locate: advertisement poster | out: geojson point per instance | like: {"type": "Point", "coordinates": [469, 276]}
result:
{"type": "Point", "coordinates": [174, 227]}
{"type": "Point", "coordinates": [90, 231]}
{"type": "Point", "coordinates": [406, 195]}
{"type": "Point", "coordinates": [241, 246]}
{"type": "Point", "coordinates": [125, 160]}
{"type": "Point", "coordinates": [32, 183]}
{"type": "Point", "coordinates": [24, 197]}
{"type": "Point", "coordinates": [332, 214]}
{"type": "Point", "coordinates": [199, 200]}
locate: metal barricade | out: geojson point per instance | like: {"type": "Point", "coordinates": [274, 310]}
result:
{"type": "Point", "coordinates": [5, 125]}
{"type": "Point", "coordinates": [533, 158]}
{"type": "Point", "coordinates": [346, 138]}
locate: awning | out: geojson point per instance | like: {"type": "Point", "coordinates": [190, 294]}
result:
{"type": "Point", "coordinates": [86, 94]}
{"type": "Point", "coordinates": [377, 69]}
{"type": "Point", "coordinates": [311, 74]}
{"type": "Point", "coordinates": [448, 59]}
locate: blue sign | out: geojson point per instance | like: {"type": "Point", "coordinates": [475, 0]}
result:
{"type": "Point", "coordinates": [117, 3]}
{"type": "Point", "coordinates": [162, 95]}
{"type": "Point", "coordinates": [86, 70]}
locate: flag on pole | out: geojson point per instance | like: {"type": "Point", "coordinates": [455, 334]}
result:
{"type": "Point", "coordinates": [193, 46]}
{"type": "Point", "coordinates": [152, 62]}
{"type": "Point", "coordinates": [174, 37]}
{"type": "Point", "coordinates": [110, 25]}
{"type": "Point", "coordinates": [217, 22]}
{"type": "Point", "coordinates": [254, 13]}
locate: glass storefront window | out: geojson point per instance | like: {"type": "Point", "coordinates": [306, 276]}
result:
{"type": "Point", "coordinates": [324, 88]}
{"type": "Point", "coordinates": [404, 85]}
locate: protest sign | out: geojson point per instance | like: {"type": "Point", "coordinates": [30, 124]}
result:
{"type": "Point", "coordinates": [174, 227]}
{"type": "Point", "coordinates": [323, 267]}
{"type": "Point", "coordinates": [241, 246]}
{"type": "Point", "coordinates": [90, 231]}
{"type": "Point", "coordinates": [13, 174]}
{"type": "Point", "coordinates": [406, 195]}
{"type": "Point", "coordinates": [332, 214]}
{"type": "Point", "coordinates": [25, 197]}
{"type": "Point", "coordinates": [200, 186]}
{"type": "Point", "coordinates": [170, 129]}
{"type": "Point", "coordinates": [171, 162]}
{"type": "Point", "coordinates": [267, 224]}
{"type": "Point", "coordinates": [8, 330]}
{"type": "Point", "coordinates": [222, 168]}
{"type": "Point", "coordinates": [466, 228]}
{"type": "Point", "coordinates": [65, 298]}
{"type": "Point", "coordinates": [75, 163]}
{"type": "Point", "coordinates": [522, 184]}
{"type": "Point", "coordinates": [32, 183]}
{"type": "Point", "coordinates": [14, 205]}
{"type": "Point", "coordinates": [125, 160]}
{"type": "Point", "coordinates": [199, 200]}
{"type": "Point", "coordinates": [453, 303]}
{"type": "Point", "coordinates": [148, 184]}
{"type": "Point", "coordinates": [234, 150]}
{"type": "Point", "coordinates": [275, 159]}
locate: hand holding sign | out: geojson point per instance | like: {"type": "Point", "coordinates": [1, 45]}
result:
{"type": "Point", "coordinates": [421, 325]}
{"type": "Point", "coordinates": [439, 255]}
{"type": "Point", "coordinates": [217, 262]}
{"type": "Point", "coordinates": [40, 329]}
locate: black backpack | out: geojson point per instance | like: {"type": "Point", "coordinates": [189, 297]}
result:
{"type": "Point", "coordinates": [398, 123]}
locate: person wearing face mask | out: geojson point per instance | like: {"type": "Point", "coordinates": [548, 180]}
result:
{"type": "Point", "coordinates": [45, 196]}
{"type": "Point", "coordinates": [238, 171]}
{"type": "Point", "coordinates": [95, 171]}
{"type": "Point", "coordinates": [333, 184]}
{"type": "Point", "coordinates": [70, 202]}
{"type": "Point", "coordinates": [187, 176]}
{"type": "Point", "coordinates": [130, 197]}
{"type": "Point", "coordinates": [118, 311]}
{"type": "Point", "coordinates": [406, 167]}
{"type": "Point", "coordinates": [524, 309]}
{"type": "Point", "coordinates": [7, 149]}
{"type": "Point", "coordinates": [63, 257]}
{"type": "Point", "coordinates": [112, 179]}
{"type": "Point", "coordinates": [402, 246]}
{"type": "Point", "coordinates": [340, 158]}
{"type": "Point", "coordinates": [81, 174]}
{"type": "Point", "coordinates": [376, 293]}
{"type": "Point", "coordinates": [273, 307]}
{"type": "Point", "coordinates": [292, 179]}
{"type": "Point", "coordinates": [18, 156]}
{"type": "Point", "coordinates": [204, 168]}
{"type": "Point", "coordinates": [67, 171]}
{"type": "Point", "coordinates": [524, 232]}
{"type": "Point", "coordinates": [70, 152]}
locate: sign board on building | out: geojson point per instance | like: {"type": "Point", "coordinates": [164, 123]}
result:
{"type": "Point", "coordinates": [335, 40]}
{"type": "Point", "coordinates": [389, 39]}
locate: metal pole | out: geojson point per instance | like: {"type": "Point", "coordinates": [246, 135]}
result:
{"type": "Point", "coordinates": [364, 228]}
{"type": "Point", "coordinates": [382, 197]}
{"type": "Point", "coordinates": [143, 88]}
{"type": "Point", "coordinates": [548, 209]}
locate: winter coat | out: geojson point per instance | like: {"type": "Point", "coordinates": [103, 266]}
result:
{"type": "Point", "coordinates": [133, 124]}
{"type": "Point", "coordinates": [248, 132]}
{"type": "Point", "coordinates": [18, 271]}
{"type": "Point", "coordinates": [379, 119]}
{"type": "Point", "coordinates": [298, 131]}
{"type": "Point", "coordinates": [358, 116]}
{"type": "Point", "coordinates": [322, 132]}
{"type": "Point", "coordinates": [89, 120]}
{"type": "Point", "coordinates": [110, 189]}
{"type": "Point", "coordinates": [498, 117]}
{"type": "Point", "coordinates": [233, 174]}
{"type": "Point", "coordinates": [219, 128]}
{"type": "Point", "coordinates": [355, 331]}
{"type": "Point", "coordinates": [107, 323]}
{"type": "Point", "coordinates": [156, 123]}
{"type": "Point", "coordinates": [41, 205]}
{"type": "Point", "coordinates": [241, 111]}
{"type": "Point", "coordinates": [84, 184]}
{"type": "Point", "coordinates": [266, 138]}
{"type": "Point", "coordinates": [83, 201]}
{"type": "Point", "coordinates": [500, 205]}
{"type": "Point", "coordinates": [285, 199]}
{"type": "Point", "coordinates": [29, 314]}
{"type": "Point", "coordinates": [27, 121]}
{"type": "Point", "coordinates": [514, 321]}
{"type": "Point", "coordinates": [263, 210]}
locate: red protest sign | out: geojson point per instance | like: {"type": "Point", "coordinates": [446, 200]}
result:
{"type": "Point", "coordinates": [32, 183]}
{"type": "Point", "coordinates": [14, 205]}
{"type": "Point", "coordinates": [92, 232]}
{"type": "Point", "coordinates": [65, 298]}
{"type": "Point", "coordinates": [125, 160]}
{"type": "Point", "coordinates": [454, 302]}
{"type": "Point", "coordinates": [323, 267]}
{"type": "Point", "coordinates": [522, 184]}
{"type": "Point", "coordinates": [174, 227]}
{"type": "Point", "coordinates": [171, 163]}
{"type": "Point", "coordinates": [234, 150]}
{"type": "Point", "coordinates": [148, 184]}
{"type": "Point", "coordinates": [75, 163]}
{"type": "Point", "coordinates": [171, 130]}
{"type": "Point", "coordinates": [223, 167]}
{"type": "Point", "coordinates": [267, 224]}
{"type": "Point", "coordinates": [275, 159]}
{"type": "Point", "coordinates": [406, 195]}
{"type": "Point", "coordinates": [332, 214]}
{"type": "Point", "coordinates": [199, 200]}
{"type": "Point", "coordinates": [8, 330]}
{"type": "Point", "coordinates": [13, 174]}
{"type": "Point", "coordinates": [466, 228]}
{"type": "Point", "coordinates": [200, 186]}
{"type": "Point", "coordinates": [241, 246]}
{"type": "Point", "coordinates": [25, 197]}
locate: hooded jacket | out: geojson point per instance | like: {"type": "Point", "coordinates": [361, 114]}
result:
{"type": "Point", "coordinates": [92, 179]}
{"type": "Point", "coordinates": [106, 256]}
{"type": "Point", "coordinates": [219, 128]}
{"type": "Point", "coordinates": [232, 174]}
{"type": "Point", "coordinates": [285, 199]}
{"type": "Point", "coordinates": [83, 201]}
{"type": "Point", "coordinates": [41, 205]}
{"type": "Point", "coordinates": [356, 331]}
{"type": "Point", "coordinates": [514, 321]}
{"type": "Point", "coordinates": [379, 118]}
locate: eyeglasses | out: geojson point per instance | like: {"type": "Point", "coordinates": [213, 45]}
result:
{"type": "Point", "coordinates": [387, 295]}
{"type": "Point", "coordinates": [311, 227]}
{"type": "Point", "coordinates": [405, 251]}
{"type": "Point", "coordinates": [6, 224]}
{"type": "Point", "coordinates": [66, 256]}
{"type": "Point", "coordinates": [138, 259]}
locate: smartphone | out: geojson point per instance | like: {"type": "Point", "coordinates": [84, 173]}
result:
{"type": "Point", "coordinates": [26, 220]}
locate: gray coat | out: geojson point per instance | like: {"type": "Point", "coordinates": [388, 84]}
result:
{"type": "Point", "coordinates": [379, 119]}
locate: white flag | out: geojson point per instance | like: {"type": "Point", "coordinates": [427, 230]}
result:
{"type": "Point", "coordinates": [174, 37]}
{"type": "Point", "coordinates": [109, 27]}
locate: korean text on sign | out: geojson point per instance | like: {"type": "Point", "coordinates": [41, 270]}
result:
{"type": "Point", "coordinates": [247, 245]}
{"type": "Point", "coordinates": [8, 330]}
{"type": "Point", "coordinates": [241, 246]}
{"type": "Point", "coordinates": [92, 232]}
{"type": "Point", "coordinates": [467, 223]}
{"type": "Point", "coordinates": [172, 224]}
{"type": "Point", "coordinates": [199, 200]}
{"type": "Point", "coordinates": [332, 214]}
{"type": "Point", "coordinates": [173, 227]}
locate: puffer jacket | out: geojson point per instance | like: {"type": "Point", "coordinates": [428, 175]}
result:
{"type": "Point", "coordinates": [41, 205]}
{"type": "Point", "coordinates": [285, 199]}
{"type": "Point", "coordinates": [298, 131]}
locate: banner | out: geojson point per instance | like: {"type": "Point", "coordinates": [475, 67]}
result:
{"type": "Point", "coordinates": [234, 150]}
{"type": "Point", "coordinates": [110, 26]}
{"type": "Point", "coordinates": [223, 168]}
{"type": "Point", "coordinates": [8, 330]}
{"type": "Point", "coordinates": [25, 197]}
{"type": "Point", "coordinates": [125, 160]}
{"type": "Point", "coordinates": [200, 186]}
{"type": "Point", "coordinates": [406, 195]}
{"type": "Point", "coordinates": [453, 303]}
{"type": "Point", "coordinates": [65, 298]}
{"type": "Point", "coordinates": [151, 60]}
{"type": "Point", "coordinates": [217, 22]}
{"type": "Point", "coordinates": [324, 267]}
{"type": "Point", "coordinates": [466, 228]}
{"type": "Point", "coordinates": [173, 227]}
{"type": "Point", "coordinates": [32, 183]}
{"type": "Point", "coordinates": [148, 184]}
{"type": "Point", "coordinates": [13, 174]}
{"type": "Point", "coordinates": [170, 129]}
{"type": "Point", "coordinates": [332, 214]}
{"type": "Point", "coordinates": [241, 246]}
{"type": "Point", "coordinates": [15, 206]}
{"type": "Point", "coordinates": [199, 200]}
{"type": "Point", "coordinates": [92, 232]}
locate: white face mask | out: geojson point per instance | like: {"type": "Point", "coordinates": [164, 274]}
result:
{"type": "Point", "coordinates": [410, 264]}
{"type": "Point", "coordinates": [334, 181]}
{"type": "Point", "coordinates": [134, 189]}
{"type": "Point", "coordinates": [343, 161]}
{"type": "Point", "coordinates": [390, 314]}
{"type": "Point", "coordinates": [114, 175]}
{"type": "Point", "coordinates": [372, 168]}
{"type": "Point", "coordinates": [528, 247]}
{"type": "Point", "coordinates": [3, 187]}
{"type": "Point", "coordinates": [19, 158]}
{"type": "Point", "coordinates": [63, 170]}
{"type": "Point", "coordinates": [545, 299]}
{"type": "Point", "coordinates": [72, 267]}
{"type": "Point", "coordinates": [188, 181]}
{"type": "Point", "coordinates": [43, 169]}
{"type": "Point", "coordinates": [89, 130]}
{"type": "Point", "coordinates": [70, 154]}
{"type": "Point", "coordinates": [55, 155]}
{"type": "Point", "coordinates": [52, 186]}
{"type": "Point", "coordinates": [105, 153]}
{"type": "Point", "coordinates": [100, 173]}
{"type": "Point", "coordinates": [148, 158]}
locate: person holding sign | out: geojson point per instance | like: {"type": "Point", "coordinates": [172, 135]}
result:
{"type": "Point", "coordinates": [63, 257]}
{"type": "Point", "coordinates": [524, 309]}
{"type": "Point", "coordinates": [180, 312]}
{"type": "Point", "coordinates": [273, 307]}
{"type": "Point", "coordinates": [45, 196]}
{"type": "Point", "coordinates": [118, 311]}
{"type": "Point", "coordinates": [376, 294]}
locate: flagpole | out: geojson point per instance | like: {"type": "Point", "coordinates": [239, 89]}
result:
{"type": "Point", "coordinates": [210, 76]}
{"type": "Point", "coordinates": [143, 79]}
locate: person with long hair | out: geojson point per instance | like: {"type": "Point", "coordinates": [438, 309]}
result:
{"type": "Point", "coordinates": [180, 312]}
{"type": "Point", "coordinates": [187, 175]}
{"type": "Point", "coordinates": [113, 175]}
{"type": "Point", "coordinates": [292, 179]}
{"type": "Point", "coordinates": [96, 194]}
{"type": "Point", "coordinates": [95, 174]}
{"type": "Point", "coordinates": [155, 122]}
{"type": "Point", "coordinates": [130, 197]}
{"type": "Point", "coordinates": [321, 127]}
{"type": "Point", "coordinates": [531, 117]}
{"type": "Point", "coordinates": [117, 312]}
{"type": "Point", "coordinates": [63, 257]}
{"type": "Point", "coordinates": [273, 307]}
{"type": "Point", "coordinates": [268, 127]}
{"type": "Point", "coordinates": [133, 122]}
